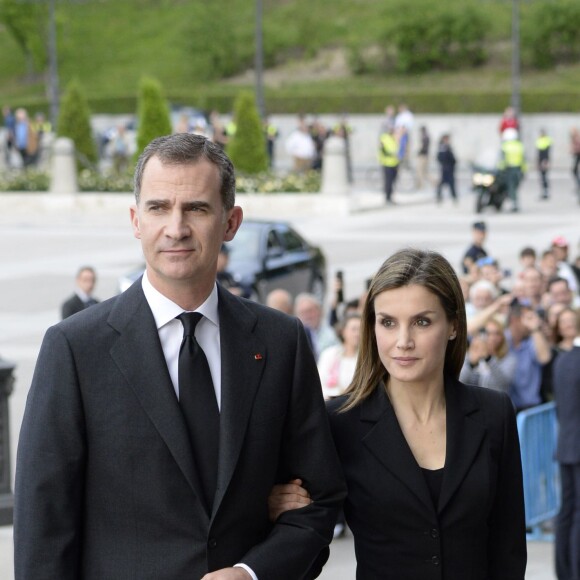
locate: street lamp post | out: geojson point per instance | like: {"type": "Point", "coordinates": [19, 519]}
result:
{"type": "Point", "coordinates": [259, 60]}
{"type": "Point", "coordinates": [53, 93]}
{"type": "Point", "coordinates": [516, 76]}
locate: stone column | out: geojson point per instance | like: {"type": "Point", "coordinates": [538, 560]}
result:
{"type": "Point", "coordinates": [6, 496]}
{"type": "Point", "coordinates": [334, 170]}
{"type": "Point", "coordinates": [63, 179]}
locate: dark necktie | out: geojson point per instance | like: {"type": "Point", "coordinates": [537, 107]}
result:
{"type": "Point", "coordinates": [198, 403]}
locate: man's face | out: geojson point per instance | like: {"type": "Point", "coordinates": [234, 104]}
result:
{"type": "Point", "coordinates": [86, 281]}
{"type": "Point", "coordinates": [560, 293]}
{"type": "Point", "coordinates": [181, 222]}
{"type": "Point", "coordinates": [560, 253]}
{"type": "Point", "coordinates": [532, 283]}
{"type": "Point", "coordinates": [309, 313]}
{"type": "Point", "coordinates": [478, 236]}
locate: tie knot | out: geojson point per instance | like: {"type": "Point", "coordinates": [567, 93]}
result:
{"type": "Point", "coordinates": [189, 321]}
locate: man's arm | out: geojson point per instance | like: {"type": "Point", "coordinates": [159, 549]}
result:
{"type": "Point", "coordinates": [50, 469]}
{"type": "Point", "coordinates": [298, 536]}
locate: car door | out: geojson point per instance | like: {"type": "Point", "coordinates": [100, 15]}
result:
{"type": "Point", "coordinates": [287, 261]}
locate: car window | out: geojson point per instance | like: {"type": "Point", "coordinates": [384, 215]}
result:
{"type": "Point", "coordinates": [292, 242]}
{"type": "Point", "coordinates": [274, 242]}
{"type": "Point", "coordinates": [246, 245]}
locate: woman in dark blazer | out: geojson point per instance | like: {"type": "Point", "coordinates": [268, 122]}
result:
{"type": "Point", "coordinates": [432, 465]}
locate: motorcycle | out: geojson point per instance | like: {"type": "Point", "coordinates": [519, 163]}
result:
{"type": "Point", "coordinates": [490, 187]}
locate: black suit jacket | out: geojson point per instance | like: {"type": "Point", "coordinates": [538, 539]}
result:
{"type": "Point", "coordinates": [74, 304]}
{"type": "Point", "coordinates": [477, 530]}
{"type": "Point", "coordinates": [106, 486]}
{"type": "Point", "coordinates": [567, 395]}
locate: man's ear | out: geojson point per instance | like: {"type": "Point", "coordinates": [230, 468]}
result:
{"type": "Point", "coordinates": [234, 221]}
{"type": "Point", "coordinates": [134, 213]}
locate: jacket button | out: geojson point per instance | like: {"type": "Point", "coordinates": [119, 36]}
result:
{"type": "Point", "coordinates": [434, 533]}
{"type": "Point", "coordinates": [212, 543]}
{"type": "Point", "coordinates": [435, 560]}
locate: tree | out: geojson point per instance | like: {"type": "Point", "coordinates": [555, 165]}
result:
{"type": "Point", "coordinates": [152, 112]}
{"type": "Point", "coordinates": [26, 22]}
{"type": "Point", "coordinates": [247, 148]}
{"type": "Point", "coordinates": [74, 121]}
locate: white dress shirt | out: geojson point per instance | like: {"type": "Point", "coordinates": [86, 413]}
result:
{"type": "Point", "coordinates": [207, 334]}
{"type": "Point", "coordinates": [170, 331]}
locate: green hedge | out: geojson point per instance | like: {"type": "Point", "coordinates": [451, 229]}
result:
{"type": "Point", "coordinates": [333, 102]}
{"type": "Point", "coordinates": [551, 33]}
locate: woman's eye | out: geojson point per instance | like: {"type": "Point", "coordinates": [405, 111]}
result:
{"type": "Point", "coordinates": [423, 322]}
{"type": "Point", "coordinates": [387, 322]}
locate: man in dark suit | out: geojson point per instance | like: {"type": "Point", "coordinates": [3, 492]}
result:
{"type": "Point", "coordinates": [110, 480]}
{"type": "Point", "coordinates": [83, 296]}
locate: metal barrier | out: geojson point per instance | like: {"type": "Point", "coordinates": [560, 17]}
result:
{"type": "Point", "coordinates": [538, 432]}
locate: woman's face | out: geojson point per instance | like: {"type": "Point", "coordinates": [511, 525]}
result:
{"type": "Point", "coordinates": [568, 324]}
{"type": "Point", "coordinates": [351, 332]}
{"type": "Point", "coordinates": [494, 336]}
{"type": "Point", "coordinates": [412, 334]}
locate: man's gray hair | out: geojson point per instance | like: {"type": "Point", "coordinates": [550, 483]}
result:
{"type": "Point", "coordinates": [184, 149]}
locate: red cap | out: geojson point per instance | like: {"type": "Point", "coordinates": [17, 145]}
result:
{"type": "Point", "coordinates": [560, 241]}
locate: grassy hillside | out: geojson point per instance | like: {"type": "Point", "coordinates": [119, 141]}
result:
{"type": "Point", "coordinates": [108, 45]}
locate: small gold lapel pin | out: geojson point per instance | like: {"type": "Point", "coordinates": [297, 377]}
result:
{"type": "Point", "coordinates": [258, 356]}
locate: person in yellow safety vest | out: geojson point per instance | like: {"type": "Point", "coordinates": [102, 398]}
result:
{"type": "Point", "coordinates": [231, 128]}
{"type": "Point", "coordinates": [271, 134]}
{"type": "Point", "coordinates": [543, 146]}
{"type": "Point", "coordinates": [513, 162]}
{"type": "Point", "coordinates": [388, 158]}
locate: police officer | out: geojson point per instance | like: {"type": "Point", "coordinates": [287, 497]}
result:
{"type": "Point", "coordinates": [513, 162]}
{"type": "Point", "coordinates": [388, 158]}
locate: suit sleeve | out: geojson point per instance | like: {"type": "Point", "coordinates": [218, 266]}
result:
{"type": "Point", "coordinates": [507, 533]}
{"type": "Point", "coordinates": [295, 548]}
{"type": "Point", "coordinates": [50, 469]}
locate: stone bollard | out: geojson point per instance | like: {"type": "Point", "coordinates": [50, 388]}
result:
{"type": "Point", "coordinates": [334, 169]}
{"type": "Point", "coordinates": [6, 496]}
{"type": "Point", "coordinates": [63, 178]}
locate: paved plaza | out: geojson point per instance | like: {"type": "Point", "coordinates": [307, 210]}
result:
{"type": "Point", "coordinates": [42, 246]}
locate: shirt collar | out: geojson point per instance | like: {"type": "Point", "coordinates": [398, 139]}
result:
{"type": "Point", "coordinates": [165, 310]}
{"type": "Point", "coordinates": [82, 295]}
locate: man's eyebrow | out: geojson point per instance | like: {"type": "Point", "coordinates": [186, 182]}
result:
{"type": "Point", "coordinates": [195, 204]}
{"type": "Point", "coordinates": [151, 202]}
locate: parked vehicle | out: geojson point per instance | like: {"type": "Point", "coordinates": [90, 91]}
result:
{"type": "Point", "coordinates": [266, 255]}
{"type": "Point", "coordinates": [489, 186]}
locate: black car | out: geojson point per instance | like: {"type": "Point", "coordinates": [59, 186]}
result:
{"type": "Point", "coordinates": [266, 255]}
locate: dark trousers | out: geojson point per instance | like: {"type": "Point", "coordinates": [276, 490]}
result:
{"type": "Point", "coordinates": [390, 174]}
{"type": "Point", "coordinates": [447, 178]}
{"type": "Point", "coordinates": [513, 175]}
{"type": "Point", "coordinates": [568, 524]}
{"type": "Point", "coordinates": [545, 185]}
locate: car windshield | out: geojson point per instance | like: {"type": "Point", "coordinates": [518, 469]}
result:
{"type": "Point", "coordinates": [246, 244]}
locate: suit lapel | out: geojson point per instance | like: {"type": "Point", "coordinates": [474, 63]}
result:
{"type": "Point", "coordinates": [464, 437]}
{"type": "Point", "coordinates": [386, 442]}
{"type": "Point", "coordinates": [241, 374]}
{"type": "Point", "coordinates": [139, 357]}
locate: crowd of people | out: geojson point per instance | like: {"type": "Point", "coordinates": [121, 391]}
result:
{"type": "Point", "coordinates": [305, 144]}
{"type": "Point", "coordinates": [394, 154]}
{"type": "Point", "coordinates": [23, 137]}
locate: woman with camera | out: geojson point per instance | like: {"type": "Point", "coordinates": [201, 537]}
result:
{"type": "Point", "coordinates": [489, 363]}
